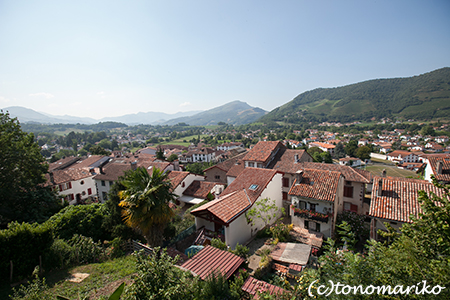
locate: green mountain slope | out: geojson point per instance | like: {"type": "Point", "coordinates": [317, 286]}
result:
{"type": "Point", "coordinates": [236, 113]}
{"type": "Point", "coordinates": [420, 97]}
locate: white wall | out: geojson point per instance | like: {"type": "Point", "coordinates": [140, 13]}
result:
{"type": "Point", "coordinates": [179, 190]}
{"type": "Point", "coordinates": [239, 231]}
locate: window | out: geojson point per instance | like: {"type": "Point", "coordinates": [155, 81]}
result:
{"type": "Point", "coordinates": [111, 183]}
{"type": "Point", "coordinates": [183, 184]}
{"type": "Point", "coordinates": [348, 191]}
{"type": "Point", "coordinates": [302, 204]}
{"type": "Point", "coordinates": [82, 182]}
{"type": "Point", "coordinates": [217, 177]}
{"type": "Point", "coordinates": [285, 182]}
{"type": "Point", "coordinates": [104, 196]}
{"type": "Point", "coordinates": [251, 164]}
{"type": "Point", "coordinates": [285, 196]}
{"type": "Point", "coordinates": [350, 207]}
{"type": "Point", "coordinates": [313, 226]}
{"type": "Point", "coordinates": [103, 183]}
{"type": "Point", "coordinates": [312, 207]}
{"type": "Point", "coordinates": [89, 191]}
{"type": "Point", "coordinates": [253, 187]}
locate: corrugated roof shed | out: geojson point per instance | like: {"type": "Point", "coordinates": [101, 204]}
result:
{"type": "Point", "coordinates": [211, 259]}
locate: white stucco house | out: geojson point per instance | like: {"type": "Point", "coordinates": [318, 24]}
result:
{"type": "Point", "coordinates": [227, 215]}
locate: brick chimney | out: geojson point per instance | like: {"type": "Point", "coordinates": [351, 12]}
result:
{"type": "Point", "coordinates": [299, 174]}
{"type": "Point", "coordinates": [380, 189]}
{"type": "Point", "coordinates": [383, 173]}
{"type": "Point", "coordinates": [439, 168]}
{"type": "Point", "coordinates": [296, 158]}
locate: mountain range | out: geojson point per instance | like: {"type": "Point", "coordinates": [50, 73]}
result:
{"type": "Point", "coordinates": [422, 97]}
{"type": "Point", "coordinates": [236, 113]}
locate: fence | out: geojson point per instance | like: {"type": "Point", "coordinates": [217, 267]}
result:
{"type": "Point", "coordinates": [184, 234]}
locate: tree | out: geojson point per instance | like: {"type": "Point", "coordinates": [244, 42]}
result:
{"type": "Point", "coordinates": [265, 210]}
{"type": "Point", "coordinates": [98, 150]}
{"type": "Point", "coordinates": [351, 148]}
{"type": "Point", "coordinates": [145, 203]}
{"type": "Point", "coordinates": [339, 151]}
{"type": "Point", "coordinates": [363, 153]}
{"type": "Point", "coordinates": [22, 168]}
{"type": "Point", "coordinates": [160, 154]}
{"type": "Point", "coordinates": [172, 157]}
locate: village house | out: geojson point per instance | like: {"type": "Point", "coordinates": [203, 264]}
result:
{"type": "Point", "coordinates": [229, 146]}
{"type": "Point", "coordinates": [218, 172]}
{"type": "Point", "coordinates": [402, 156]}
{"type": "Point", "coordinates": [227, 214]}
{"type": "Point", "coordinates": [199, 191]}
{"type": "Point", "coordinates": [439, 166]}
{"type": "Point", "coordinates": [394, 199]}
{"type": "Point", "coordinates": [73, 179]}
{"type": "Point", "coordinates": [316, 200]}
{"type": "Point", "coordinates": [323, 146]}
{"type": "Point", "coordinates": [350, 161]}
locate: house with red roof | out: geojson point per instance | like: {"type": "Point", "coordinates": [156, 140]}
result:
{"type": "Point", "coordinates": [439, 166]}
{"type": "Point", "coordinates": [227, 214]}
{"type": "Point", "coordinates": [262, 154]}
{"type": "Point", "coordinates": [323, 146]}
{"type": "Point", "coordinates": [218, 173]}
{"type": "Point", "coordinates": [394, 200]}
{"type": "Point", "coordinates": [316, 199]}
{"type": "Point", "coordinates": [402, 156]}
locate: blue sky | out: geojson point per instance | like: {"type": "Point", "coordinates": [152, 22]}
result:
{"type": "Point", "coordinates": [109, 58]}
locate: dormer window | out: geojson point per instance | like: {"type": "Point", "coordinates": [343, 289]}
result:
{"type": "Point", "coordinates": [253, 187]}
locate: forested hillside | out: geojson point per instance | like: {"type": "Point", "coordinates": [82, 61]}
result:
{"type": "Point", "coordinates": [420, 97]}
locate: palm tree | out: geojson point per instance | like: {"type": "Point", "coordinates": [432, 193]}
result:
{"type": "Point", "coordinates": [145, 203]}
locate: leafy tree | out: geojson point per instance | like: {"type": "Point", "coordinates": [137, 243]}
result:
{"type": "Point", "coordinates": [351, 148]}
{"type": "Point", "coordinates": [266, 210]}
{"type": "Point", "coordinates": [160, 154]}
{"type": "Point", "coordinates": [339, 151]}
{"type": "Point", "coordinates": [363, 153]}
{"type": "Point", "coordinates": [99, 150]}
{"type": "Point", "coordinates": [145, 203]}
{"type": "Point", "coordinates": [158, 278]}
{"type": "Point", "coordinates": [198, 167]}
{"type": "Point", "coordinates": [172, 157]}
{"type": "Point", "coordinates": [22, 169]}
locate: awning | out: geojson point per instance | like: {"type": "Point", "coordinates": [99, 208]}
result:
{"type": "Point", "coordinates": [191, 200]}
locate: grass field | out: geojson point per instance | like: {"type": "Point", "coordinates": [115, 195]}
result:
{"type": "Point", "coordinates": [376, 170]}
{"type": "Point", "coordinates": [103, 279]}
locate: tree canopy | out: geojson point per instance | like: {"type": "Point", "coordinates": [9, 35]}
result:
{"type": "Point", "coordinates": [22, 168]}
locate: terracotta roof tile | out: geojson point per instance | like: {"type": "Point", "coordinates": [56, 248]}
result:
{"type": "Point", "coordinates": [262, 151]}
{"type": "Point", "coordinates": [285, 161]}
{"type": "Point", "coordinates": [349, 173]}
{"type": "Point", "coordinates": [317, 184]}
{"type": "Point", "coordinates": [227, 208]}
{"type": "Point", "coordinates": [253, 286]}
{"type": "Point", "coordinates": [445, 163]}
{"type": "Point", "coordinates": [176, 177]}
{"type": "Point", "coordinates": [229, 163]}
{"type": "Point", "coordinates": [251, 176]}
{"type": "Point", "coordinates": [398, 198]}
{"type": "Point", "coordinates": [112, 171]}
{"type": "Point", "coordinates": [210, 260]}
{"type": "Point", "coordinates": [199, 189]}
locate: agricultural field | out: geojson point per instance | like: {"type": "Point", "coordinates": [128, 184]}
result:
{"type": "Point", "coordinates": [376, 170]}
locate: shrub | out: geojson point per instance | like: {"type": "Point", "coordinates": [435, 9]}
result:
{"type": "Point", "coordinates": [59, 255]}
{"type": "Point", "coordinates": [281, 231]}
{"type": "Point", "coordinates": [33, 290]}
{"type": "Point", "coordinates": [219, 244]}
{"type": "Point", "coordinates": [85, 250]}
{"type": "Point", "coordinates": [241, 251]}
{"type": "Point", "coordinates": [23, 244]}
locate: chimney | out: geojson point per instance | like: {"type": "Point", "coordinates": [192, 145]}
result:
{"type": "Point", "coordinates": [380, 189]}
{"type": "Point", "coordinates": [101, 170]}
{"type": "Point", "coordinates": [299, 174]}
{"type": "Point", "coordinates": [296, 158]}
{"type": "Point", "coordinates": [383, 173]}
{"type": "Point", "coordinates": [439, 168]}
{"type": "Point", "coordinates": [52, 179]}
{"type": "Point", "coordinates": [133, 166]}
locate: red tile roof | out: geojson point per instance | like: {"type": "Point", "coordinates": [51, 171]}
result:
{"type": "Point", "coordinates": [236, 169]}
{"type": "Point", "coordinates": [228, 164]}
{"type": "Point", "coordinates": [445, 161]}
{"type": "Point", "coordinates": [317, 184]}
{"type": "Point", "coordinates": [349, 173]}
{"type": "Point", "coordinates": [249, 177]}
{"type": "Point", "coordinates": [176, 177]}
{"type": "Point", "coordinates": [210, 260]}
{"type": "Point", "coordinates": [285, 161]}
{"type": "Point", "coordinates": [398, 198]}
{"type": "Point", "coordinates": [112, 171]}
{"type": "Point", "coordinates": [62, 176]}
{"type": "Point", "coordinates": [262, 151]}
{"type": "Point", "coordinates": [401, 153]}
{"type": "Point", "coordinates": [253, 286]}
{"type": "Point", "coordinates": [227, 208]}
{"type": "Point", "coordinates": [200, 189]}
{"type": "Point", "coordinates": [323, 145]}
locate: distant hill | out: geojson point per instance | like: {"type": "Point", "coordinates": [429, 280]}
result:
{"type": "Point", "coordinates": [420, 97]}
{"type": "Point", "coordinates": [149, 117]}
{"type": "Point", "coordinates": [26, 115]}
{"type": "Point", "coordinates": [235, 113]}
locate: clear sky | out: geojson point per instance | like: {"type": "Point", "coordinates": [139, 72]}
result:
{"type": "Point", "coordinates": [109, 58]}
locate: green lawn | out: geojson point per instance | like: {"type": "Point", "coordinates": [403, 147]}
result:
{"type": "Point", "coordinates": [390, 171]}
{"type": "Point", "coordinates": [103, 279]}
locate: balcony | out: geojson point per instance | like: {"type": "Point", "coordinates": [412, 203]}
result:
{"type": "Point", "coordinates": [311, 215]}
